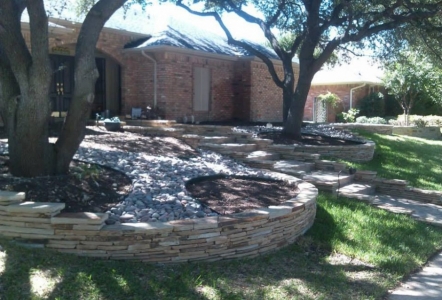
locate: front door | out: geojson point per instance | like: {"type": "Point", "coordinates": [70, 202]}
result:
{"type": "Point", "coordinates": [62, 85]}
{"type": "Point", "coordinates": [319, 111]}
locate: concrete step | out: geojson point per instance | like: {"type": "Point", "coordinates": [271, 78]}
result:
{"type": "Point", "coordinates": [261, 155]}
{"type": "Point", "coordinates": [229, 148]}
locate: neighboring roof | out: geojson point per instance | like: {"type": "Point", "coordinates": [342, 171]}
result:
{"type": "Point", "coordinates": [357, 71]}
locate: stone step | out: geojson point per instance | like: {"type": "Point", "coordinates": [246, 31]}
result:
{"type": "Point", "coordinates": [357, 188]}
{"type": "Point", "coordinates": [328, 165]}
{"type": "Point", "coordinates": [216, 139]}
{"type": "Point", "coordinates": [328, 181]}
{"type": "Point", "coordinates": [300, 156]}
{"type": "Point", "coordinates": [261, 155]}
{"type": "Point", "coordinates": [262, 143]}
{"type": "Point", "coordinates": [260, 164]}
{"type": "Point", "coordinates": [229, 148]}
{"type": "Point", "coordinates": [293, 165]}
{"type": "Point", "coordinates": [168, 131]}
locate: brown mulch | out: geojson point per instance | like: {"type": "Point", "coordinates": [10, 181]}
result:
{"type": "Point", "coordinates": [233, 195]}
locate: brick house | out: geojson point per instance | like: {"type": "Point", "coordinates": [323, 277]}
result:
{"type": "Point", "coordinates": [350, 83]}
{"type": "Point", "coordinates": [177, 67]}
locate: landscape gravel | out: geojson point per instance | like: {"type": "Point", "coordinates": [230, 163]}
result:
{"type": "Point", "coordinates": [159, 192]}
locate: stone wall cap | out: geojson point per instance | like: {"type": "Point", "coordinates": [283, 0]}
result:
{"type": "Point", "coordinates": [35, 207]}
{"type": "Point", "coordinates": [8, 197]}
{"type": "Point", "coordinates": [80, 218]}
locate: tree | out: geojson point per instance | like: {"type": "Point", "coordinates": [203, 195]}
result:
{"type": "Point", "coordinates": [413, 78]}
{"type": "Point", "coordinates": [322, 25]}
{"type": "Point", "coordinates": [25, 77]}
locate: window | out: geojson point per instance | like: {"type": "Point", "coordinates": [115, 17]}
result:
{"type": "Point", "coordinates": [201, 89]}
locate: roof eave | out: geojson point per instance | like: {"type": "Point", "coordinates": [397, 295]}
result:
{"type": "Point", "coordinates": [160, 48]}
{"type": "Point", "coordinates": [347, 82]}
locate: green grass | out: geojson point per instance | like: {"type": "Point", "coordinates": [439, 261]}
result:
{"type": "Point", "coordinates": [353, 251]}
{"type": "Point", "coordinates": [417, 160]}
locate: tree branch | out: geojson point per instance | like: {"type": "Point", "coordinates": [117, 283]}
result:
{"type": "Point", "coordinates": [233, 41]}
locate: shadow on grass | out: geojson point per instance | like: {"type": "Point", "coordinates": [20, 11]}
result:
{"type": "Point", "coordinates": [397, 157]}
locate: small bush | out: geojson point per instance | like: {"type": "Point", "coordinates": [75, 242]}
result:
{"type": "Point", "coordinates": [350, 115]}
{"type": "Point", "coordinates": [430, 120]}
{"type": "Point", "coordinates": [421, 123]}
{"type": "Point", "coordinates": [374, 120]}
{"type": "Point", "coordinates": [372, 105]}
{"type": "Point", "coordinates": [361, 119]}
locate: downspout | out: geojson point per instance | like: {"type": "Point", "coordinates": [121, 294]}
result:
{"type": "Point", "coordinates": [154, 77]}
{"type": "Point", "coordinates": [351, 94]}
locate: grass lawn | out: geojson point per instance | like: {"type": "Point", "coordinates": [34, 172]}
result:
{"type": "Point", "coordinates": [417, 160]}
{"type": "Point", "coordinates": [353, 251]}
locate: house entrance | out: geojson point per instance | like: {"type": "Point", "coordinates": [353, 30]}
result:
{"type": "Point", "coordinates": [62, 86]}
{"type": "Point", "coordinates": [319, 111]}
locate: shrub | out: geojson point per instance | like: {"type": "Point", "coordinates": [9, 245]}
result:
{"type": "Point", "coordinates": [361, 119]}
{"type": "Point", "coordinates": [372, 105]}
{"type": "Point", "coordinates": [374, 120]}
{"type": "Point", "coordinates": [430, 120]}
{"type": "Point", "coordinates": [350, 115]}
{"type": "Point", "coordinates": [421, 123]}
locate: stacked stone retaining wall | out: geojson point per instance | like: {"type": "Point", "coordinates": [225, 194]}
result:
{"type": "Point", "coordinates": [431, 132]}
{"type": "Point", "coordinates": [249, 233]}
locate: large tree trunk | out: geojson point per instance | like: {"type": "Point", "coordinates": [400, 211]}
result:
{"type": "Point", "coordinates": [293, 124]}
{"type": "Point", "coordinates": [24, 87]}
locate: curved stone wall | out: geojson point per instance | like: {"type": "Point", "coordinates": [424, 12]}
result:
{"type": "Point", "coordinates": [249, 233]}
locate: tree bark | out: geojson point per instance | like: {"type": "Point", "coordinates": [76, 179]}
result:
{"type": "Point", "coordinates": [293, 124]}
{"type": "Point", "coordinates": [24, 87]}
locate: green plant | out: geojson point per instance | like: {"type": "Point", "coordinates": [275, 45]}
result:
{"type": "Point", "coordinates": [350, 115]}
{"type": "Point", "coordinates": [84, 171]}
{"type": "Point", "coordinates": [372, 105]}
{"type": "Point", "coordinates": [330, 98]}
{"type": "Point", "coordinates": [374, 120]}
{"type": "Point", "coordinates": [421, 123]}
{"type": "Point", "coordinates": [112, 120]}
{"type": "Point", "coordinates": [415, 160]}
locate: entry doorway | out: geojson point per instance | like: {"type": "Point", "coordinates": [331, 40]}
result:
{"type": "Point", "coordinates": [62, 85]}
{"type": "Point", "coordinates": [319, 111]}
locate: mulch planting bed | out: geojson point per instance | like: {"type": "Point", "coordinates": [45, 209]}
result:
{"type": "Point", "coordinates": [233, 195]}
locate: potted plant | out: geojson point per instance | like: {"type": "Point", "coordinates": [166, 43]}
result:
{"type": "Point", "coordinates": [112, 124]}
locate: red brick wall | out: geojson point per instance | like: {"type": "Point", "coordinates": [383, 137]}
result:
{"type": "Point", "coordinates": [343, 92]}
{"type": "Point", "coordinates": [266, 96]}
{"type": "Point", "coordinates": [175, 85]}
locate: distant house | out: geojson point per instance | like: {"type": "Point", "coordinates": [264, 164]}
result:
{"type": "Point", "coordinates": [169, 62]}
{"type": "Point", "coordinates": [350, 82]}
